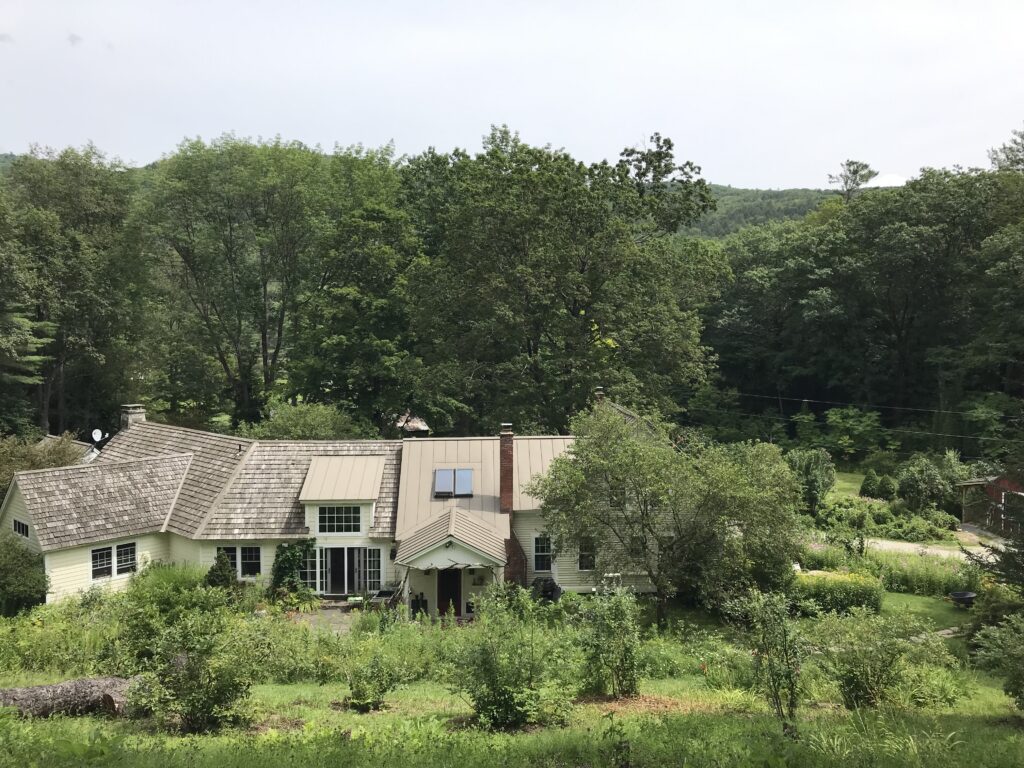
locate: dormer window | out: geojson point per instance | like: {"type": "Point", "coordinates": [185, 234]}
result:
{"type": "Point", "coordinates": [449, 483]}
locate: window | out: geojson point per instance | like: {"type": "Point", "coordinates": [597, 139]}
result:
{"type": "Point", "coordinates": [636, 548]}
{"type": "Point", "coordinates": [250, 561]}
{"type": "Point", "coordinates": [542, 553]}
{"type": "Point", "coordinates": [232, 553]}
{"type": "Point", "coordinates": [126, 558]}
{"type": "Point", "coordinates": [102, 562]}
{"type": "Point", "coordinates": [340, 519]}
{"type": "Point", "coordinates": [587, 558]}
{"type": "Point", "coordinates": [463, 482]}
{"type": "Point", "coordinates": [307, 574]}
{"type": "Point", "coordinates": [21, 528]}
{"type": "Point", "coordinates": [444, 483]}
{"type": "Point", "coordinates": [453, 482]}
{"type": "Point", "coordinates": [372, 570]}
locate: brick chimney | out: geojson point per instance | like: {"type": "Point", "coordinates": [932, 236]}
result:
{"type": "Point", "coordinates": [131, 414]}
{"type": "Point", "coordinates": [515, 558]}
{"type": "Point", "coordinates": [505, 453]}
{"type": "Point", "coordinates": [598, 394]}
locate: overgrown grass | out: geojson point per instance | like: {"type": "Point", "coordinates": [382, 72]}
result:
{"type": "Point", "coordinates": [939, 611]}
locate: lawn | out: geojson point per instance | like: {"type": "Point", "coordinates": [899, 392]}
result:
{"type": "Point", "coordinates": [847, 483]}
{"type": "Point", "coordinates": [941, 612]}
{"type": "Point", "coordinates": [676, 721]}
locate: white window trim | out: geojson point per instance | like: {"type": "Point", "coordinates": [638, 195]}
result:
{"type": "Point", "coordinates": [259, 552]}
{"type": "Point", "coordinates": [92, 566]}
{"type": "Point", "coordinates": [550, 554]}
{"type": "Point", "coordinates": [365, 518]}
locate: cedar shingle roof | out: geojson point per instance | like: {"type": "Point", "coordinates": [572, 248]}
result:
{"type": "Point", "coordinates": [71, 506]}
{"type": "Point", "coordinates": [262, 499]}
{"type": "Point", "coordinates": [214, 461]}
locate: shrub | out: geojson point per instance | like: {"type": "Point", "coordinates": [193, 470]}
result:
{"type": "Point", "coordinates": [1001, 650]}
{"type": "Point", "coordinates": [888, 489]}
{"type": "Point", "coordinates": [869, 485]}
{"type": "Point", "coordinates": [927, 685]}
{"type": "Point", "coordinates": [839, 592]}
{"type": "Point", "coordinates": [222, 573]}
{"type": "Point", "coordinates": [816, 472]}
{"type": "Point", "coordinates": [289, 561]}
{"type": "Point", "coordinates": [779, 651]}
{"type": "Point", "coordinates": [23, 581]}
{"type": "Point", "coordinates": [661, 657]}
{"type": "Point", "coordinates": [869, 656]}
{"type": "Point", "coordinates": [371, 674]}
{"type": "Point", "coordinates": [822, 557]}
{"type": "Point", "coordinates": [921, 484]}
{"type": "Point", "coordinates": [610, 640]}
{"type": "Point", "coordinates": [197, 678]}
{"type": "Point", "coordinates": [921, 574]}
{"type": "Point", "coordinates": [995, 603]}
{"type": "Point", "coordinates": [722, 665]}
{"type": "Point", "coordinates": [512, 667]}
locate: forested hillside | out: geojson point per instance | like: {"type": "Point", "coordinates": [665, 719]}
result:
{"type": "Point", "coordinates": [234, 278]}
{"type": "Point", "coordinates": [737, 208]}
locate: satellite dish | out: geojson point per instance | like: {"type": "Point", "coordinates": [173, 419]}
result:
{"type": "Point", "coordinates": [97, 435]}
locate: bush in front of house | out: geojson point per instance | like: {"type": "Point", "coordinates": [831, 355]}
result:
{"type": "Point", "coordinates": [877, 659]}
{"type": "Point", "coordinates": [609, 632]}
{"type": "Point", "coordinates": [372, 673]}
{"type": "Point", "coordinates": [198, 677]}
{"type": "Point", "coordinates": [222, 573]}
{"type": "Point", "coordinates": [838, 592]}
{"type": "Point", "coordinates": [23, 581]}
{"type": "Point", "coordinates": [514, 668]}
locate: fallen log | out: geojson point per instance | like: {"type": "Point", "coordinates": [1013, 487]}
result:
{"type": "Point", "coordinates": [96, 695]}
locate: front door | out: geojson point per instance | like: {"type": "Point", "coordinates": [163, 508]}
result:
{"type": "Point", "coordinates": [449, 590]}
{"type": "Point", "coordinates": [336, 571]}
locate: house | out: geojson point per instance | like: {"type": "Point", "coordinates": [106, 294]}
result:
{"type": "Point", "coordinates": [437, 519]}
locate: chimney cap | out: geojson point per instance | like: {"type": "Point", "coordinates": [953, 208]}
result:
{"type": "Point", "coordinates": [133, 407]}
{"type": "Point", "coordinates": [599, 393]}
{"type": "Point", "coordinates": [506, 427]}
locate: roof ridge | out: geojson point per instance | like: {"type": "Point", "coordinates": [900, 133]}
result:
{"type": "Point", "coordinates": [181, 482]}
{"type": "Point", "coordinates": [391, 443]}
{"type": "Point", "coordinates": [224, 489]}
{"type": "Point", "coordinates": [113, 463]}
{"type": "Point", "coordinates": [162, 425]}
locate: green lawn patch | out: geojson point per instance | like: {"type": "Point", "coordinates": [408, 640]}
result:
{"type": "Point", "coordinates": [847, 483]}
{"type": "Point", "coordinates": [941, 612]}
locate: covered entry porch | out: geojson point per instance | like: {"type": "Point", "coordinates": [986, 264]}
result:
{"type": "Point", "coordinates": [448, 562]}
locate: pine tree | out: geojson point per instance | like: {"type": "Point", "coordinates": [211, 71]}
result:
{"type": "Point", "coordinates": [869, 486]}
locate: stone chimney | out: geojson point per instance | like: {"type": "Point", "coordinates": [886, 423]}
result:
{"type": "Point", "coordinates": [505, 453]}
{"type": "Point", "coordinates": [598, 394]}
{"type": "Point", "coordinates": [131, 414]}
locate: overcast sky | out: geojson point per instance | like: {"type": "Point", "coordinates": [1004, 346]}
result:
{"type": "Point", "coordinates": [761, 94]}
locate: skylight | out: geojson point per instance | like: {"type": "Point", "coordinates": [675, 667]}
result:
{"type": "Point", "coordinates": [450, 483]}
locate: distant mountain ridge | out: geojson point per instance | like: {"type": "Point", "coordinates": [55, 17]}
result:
{"type": "Point", "coordinates": [738, 208]}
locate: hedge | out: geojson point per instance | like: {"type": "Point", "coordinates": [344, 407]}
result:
{"type": "Point", "coordinates": [839, 591]}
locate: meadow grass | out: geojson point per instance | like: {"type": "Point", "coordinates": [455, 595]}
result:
{"type": "Point", "coordinates": [939, 611]}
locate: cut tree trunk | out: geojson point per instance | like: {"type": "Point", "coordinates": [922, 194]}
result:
{"type": "Point", "coordinates": [103, 695]}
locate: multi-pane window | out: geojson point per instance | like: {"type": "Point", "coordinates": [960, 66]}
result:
{"type": "Point", "coordinates": [340, 519]}
{"type": "Point", "coordinates": [587, 554]}
{"type": "Point", "coordinates": [250, 561]}
{"type": "Point", "coordinates": [307, 574]}
{"type": "Point", "coordinates": [21, 528]}
{"type": "Point", "coordinates": [372, 570]}
{"type": "Point", "coordinates": [102, 562]}
{"type": "Point", "coordinates": [453, 482]}
{"type": "Point", "coordinates": [232, 554]}
{"type": "Point", "coordinates": [542, 553]}
{"type": "Point", "coordinates": [636, 547]}
{"type": "Point", "coordinates": [126, 562]}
